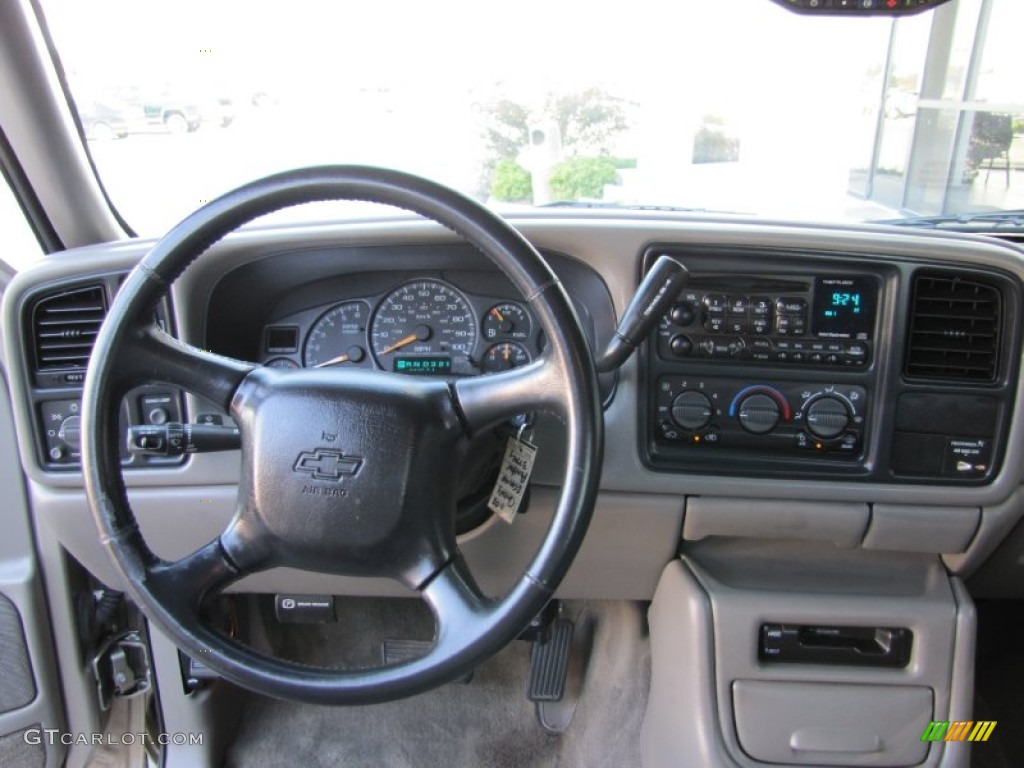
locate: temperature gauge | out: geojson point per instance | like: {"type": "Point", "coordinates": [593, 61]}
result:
{"type": "Point", "coordinates": [507, 321]}
{"type": "Point", "coordinates": [504, 357]}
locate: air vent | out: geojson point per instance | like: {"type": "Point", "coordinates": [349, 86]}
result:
{"type": "Point", "coordinates": [954, 329]}
{"type": "Point", "coordinates": [64, 327]}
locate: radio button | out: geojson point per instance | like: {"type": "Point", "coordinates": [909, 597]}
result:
{"type": "Point", "coordinates": [787, 305]}
{"type": "Point", "coordinates": [760, 325]}
{"type": "Point", "coordinates": [760, 306]}
{"type": "Point", "coordinates": [714, 323]}
{"type": "Point", "coordinates": [681, 314]}
{"type": "Point", "coordinates": [715, 304]}
{"type": "Point", "coordinates": [736, 324]}
{"type": "Point", "coordinates": [681, 346]}
{"type": "Point", "coordinates": [737, 305]}
{"type": "Point", "coordinates": [761, 344]}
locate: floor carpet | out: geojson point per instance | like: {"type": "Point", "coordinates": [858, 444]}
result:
{"type": "Point", "coordinates": [487, 723]}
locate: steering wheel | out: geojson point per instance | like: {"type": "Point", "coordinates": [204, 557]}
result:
{"type": "Point", "coordinates": [400, 436]}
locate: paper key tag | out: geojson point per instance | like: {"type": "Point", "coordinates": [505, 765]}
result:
{"type": "Point", "coordinates": [513, 479]}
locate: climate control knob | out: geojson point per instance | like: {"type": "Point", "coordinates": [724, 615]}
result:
{"type": "Point", "coordinates": [827, 417]}
{"type": "Point", "coordinates": [692, 410]}
{"type": "Point", "coordinates": [759, 414]}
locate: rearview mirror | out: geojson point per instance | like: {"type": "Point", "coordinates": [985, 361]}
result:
{"type": "Point", "coordinates": [860, 7]}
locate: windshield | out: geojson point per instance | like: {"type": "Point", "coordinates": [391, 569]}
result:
{"type": "Point", "coordinates": [738, 106]}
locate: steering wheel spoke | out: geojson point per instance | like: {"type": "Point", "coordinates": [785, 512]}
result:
{"type": "Point", "coordinates": [455, 599]}
{"type": "Point", "coordinates": [187, 582]}
{"type": "Point", "coordinates": [486, 400]}
{"type": "Point", "coordinates": [153, 356]}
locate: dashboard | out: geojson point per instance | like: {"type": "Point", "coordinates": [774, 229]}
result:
{"type": "Point", "coordinates": [838, 375]}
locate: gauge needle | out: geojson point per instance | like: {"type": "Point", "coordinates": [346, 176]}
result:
{"type": "Point", "coordinates": [421, 333]}
{"type": "Point", "coordinates": [334, 361]}
{"type": "Point", "coordinates": [507, 353]}
{"type": "Point", "coordinates": [399, 344]}
{"type": "Point", "coordinates": [500, 318]}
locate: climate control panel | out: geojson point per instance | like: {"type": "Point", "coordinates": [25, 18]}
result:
{"type": "Point", "coordinates": [712, 413]}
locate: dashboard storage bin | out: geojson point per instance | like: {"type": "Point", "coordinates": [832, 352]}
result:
{"type": "Point", "coordinates": [823, 724]}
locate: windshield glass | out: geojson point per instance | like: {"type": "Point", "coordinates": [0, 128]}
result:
{"type": "Point", "coordinates": [738, 106]}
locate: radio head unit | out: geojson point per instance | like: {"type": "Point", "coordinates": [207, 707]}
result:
{"type": "Point", "coordinates": [813, 320]}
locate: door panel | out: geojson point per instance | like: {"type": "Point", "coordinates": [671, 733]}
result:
{"type": "Point", "coordinates": [29, 693]}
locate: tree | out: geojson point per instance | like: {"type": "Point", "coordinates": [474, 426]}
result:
{"type": "Point", "coordinates": [587, 120]}
{"type": "Point", "coordinates": [582, 177]}
{"type": "Point", "coordinates": [506, 130]}
{"type": "Point", "coordinates": [511, 182]}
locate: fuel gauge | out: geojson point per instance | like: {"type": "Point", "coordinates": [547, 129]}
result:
{"type": "Point", "coordinates": [504, 357]}
{"type": "Point", "coordinates": [507, 321]}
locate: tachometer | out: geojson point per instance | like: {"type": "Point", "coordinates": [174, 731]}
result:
{"type": "Point", "coordinates": [425, 318]}
{"type": "Point", "coordinates": [337, 338]}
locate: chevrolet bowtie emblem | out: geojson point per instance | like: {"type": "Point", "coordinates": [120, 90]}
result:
{"type": "Point", "coordinates": [327, 464]}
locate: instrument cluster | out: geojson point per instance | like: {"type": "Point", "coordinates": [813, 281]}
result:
{"type": "Point", "coordinates": [424, 326]}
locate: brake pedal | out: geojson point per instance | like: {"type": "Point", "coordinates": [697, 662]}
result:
{"type": "Point", "coordinates": [549, 662]}
{"type": "Point", "coordinates": [397, 650]}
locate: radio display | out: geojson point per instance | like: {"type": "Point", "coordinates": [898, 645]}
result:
{"type": "Point", "coordinates": [844, 307]}
{"type": "Point", "coordinates": [423, 366]}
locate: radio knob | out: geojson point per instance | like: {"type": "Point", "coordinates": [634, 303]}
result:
{"type": "Point", "coordinates": [680, 345]}
{"type": "Point", "coordinates": [827, 417]}
{"type": "Point", "coordinates": [759, 414]}
{"type": "Point", "coordinates": [692, 410]}
{"type": "Point", "coordinates": [681, 314]}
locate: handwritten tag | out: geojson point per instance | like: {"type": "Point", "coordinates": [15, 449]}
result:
{"type": "Point", "coordinates": [513, 479]}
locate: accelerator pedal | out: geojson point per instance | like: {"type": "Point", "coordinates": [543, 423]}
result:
{"type": "Point", "coordinates": [549, 662]}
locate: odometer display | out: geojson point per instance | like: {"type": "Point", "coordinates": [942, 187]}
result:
{"type": "Point", "coordinates": [423, 366]}
{"type": "Point", "coordinates": [425, 318]}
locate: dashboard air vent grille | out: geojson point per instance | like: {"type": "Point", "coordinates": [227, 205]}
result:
{"type": "Point", "coordinates": [954, 329]}
{"type": "Point", "coordinates": [64, 327]}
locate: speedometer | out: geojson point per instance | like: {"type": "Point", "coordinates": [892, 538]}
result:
{"type": "Point", "coordinates": [424, 319]}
